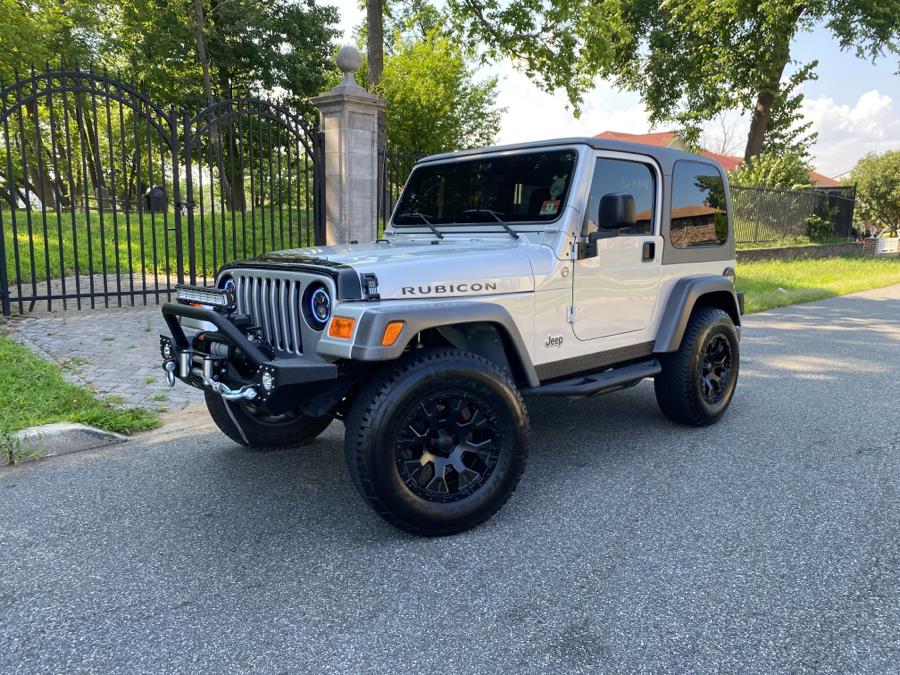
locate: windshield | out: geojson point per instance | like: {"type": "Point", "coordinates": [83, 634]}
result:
{"type": "Point", "coordinates": [515, 188]}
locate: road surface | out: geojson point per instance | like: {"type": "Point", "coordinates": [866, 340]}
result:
{"type": "Point", "coordinates": [769, 542]}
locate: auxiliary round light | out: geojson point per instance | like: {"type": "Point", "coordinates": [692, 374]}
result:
{"type": "Point", "coordinates": [268, 381]}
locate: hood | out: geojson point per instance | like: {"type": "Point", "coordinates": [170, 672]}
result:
{"type": "Point", "coordinates": [418, 268]}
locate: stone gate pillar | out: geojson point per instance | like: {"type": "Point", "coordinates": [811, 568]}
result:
{"type": "Point", "coordinates": [349, 119]}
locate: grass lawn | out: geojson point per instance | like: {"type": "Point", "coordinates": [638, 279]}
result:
{"type": "Point", "coordinates": [33, 391]}
{"type": "Point", "coordinates": [805, 280]}
{"type": "Point", "coordinates": [145, 243]}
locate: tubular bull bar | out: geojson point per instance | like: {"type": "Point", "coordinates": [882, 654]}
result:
{"type": "Point", "coordinates": [210, 370]}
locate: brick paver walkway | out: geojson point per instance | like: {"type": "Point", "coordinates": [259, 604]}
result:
{"type": "Point", "coordinates": [114, 351]}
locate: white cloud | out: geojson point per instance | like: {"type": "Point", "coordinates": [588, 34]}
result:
{"type": "Point", "coordinates": [847, 132]}
{"type": "Point", "coordinates": [349, 17]}
{"type": "Point", "coordinates": [533, 114]}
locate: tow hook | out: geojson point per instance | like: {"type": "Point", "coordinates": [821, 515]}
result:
{"type": "Point", "coordinates": [169, 367]}
{"type": "Point", "coordinates": [245, 393]}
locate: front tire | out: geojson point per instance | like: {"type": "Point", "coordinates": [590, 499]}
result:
{"type": "Point", "coordinates": [262, 431]}
{"type": "Point", "coordinates": [697, 382]}
{"type": "Point", "coordinates": [436, 444]}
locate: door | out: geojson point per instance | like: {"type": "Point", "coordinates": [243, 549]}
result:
{"type": "Point", "coordinates": [615, 290]}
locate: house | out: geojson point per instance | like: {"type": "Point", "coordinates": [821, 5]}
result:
{"type": "Point", "coordinates": [671, 139]}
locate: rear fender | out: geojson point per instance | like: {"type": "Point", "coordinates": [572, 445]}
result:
{"type": "Point", "coordinates": [688, 293]}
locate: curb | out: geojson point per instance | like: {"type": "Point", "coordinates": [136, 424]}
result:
{"type": "Point", "coordinates": [62, 438]}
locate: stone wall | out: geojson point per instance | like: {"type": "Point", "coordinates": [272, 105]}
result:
{"type": "Point", "coordinates": [787, 252]}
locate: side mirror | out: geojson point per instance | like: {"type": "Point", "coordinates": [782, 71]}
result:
{"type": "Point", "coordinates": [616, 211]}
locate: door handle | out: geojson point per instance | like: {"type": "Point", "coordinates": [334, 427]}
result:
{"type": "Point", "coordinates": [648, 251]}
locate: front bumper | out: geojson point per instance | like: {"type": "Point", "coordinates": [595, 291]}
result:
{"type": "Point", "coordinates": [261, 375]}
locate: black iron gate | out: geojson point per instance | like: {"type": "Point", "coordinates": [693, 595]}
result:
{"type": "Point", "coordinates": [108, 199]}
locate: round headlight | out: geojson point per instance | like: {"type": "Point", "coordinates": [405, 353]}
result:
{"type": "Point", "coordinates": [320, 305]}
{"type": "Point", "coordinates": [317, 306]}
{"type": "Point", "coordinates": [227, 283]}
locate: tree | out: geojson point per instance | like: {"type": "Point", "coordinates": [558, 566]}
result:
{"type": "Point", "coordinates": [250, 47]}
{"type": "Point", "coordinates": [788, 171]}
{"type": "Point", "coordinates": [788, 131]}
{"type": "Point", "coordinates": [722, 141]}
{"type": "Point", "coordinates": [375, 41]}
{"type": "Point", "coordinates": [689, 59]}
{"type": "Point", "coordinates": [877, 179]}
{"type": "Point", "coordinates": [434, 101]}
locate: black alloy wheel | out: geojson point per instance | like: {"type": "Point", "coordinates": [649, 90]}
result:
{"type": "Point", "coordinates": [448, 446]}
{"type": "Point", "coordinates": [715, 368]}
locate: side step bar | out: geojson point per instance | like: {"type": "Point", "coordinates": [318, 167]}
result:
{"type": "Point", "coordinates": [599, 383]}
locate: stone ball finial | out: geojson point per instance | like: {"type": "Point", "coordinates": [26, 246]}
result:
{"type": "Point", "coordinates": [349, 61]}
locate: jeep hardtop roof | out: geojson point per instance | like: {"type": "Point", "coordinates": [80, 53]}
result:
{"type": "Point", "coordinates": [666, 157]}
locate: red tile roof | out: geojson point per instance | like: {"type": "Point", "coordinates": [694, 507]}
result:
{"type": "Point", "coordinates": [727, 162]}
{"type": "Point", "coordinates": [823, 181]}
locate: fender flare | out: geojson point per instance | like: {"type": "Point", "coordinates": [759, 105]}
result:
{"type": "Point", "coordinates": [718, 291]}
{"type": "Point", "coordinates": [420, 316]}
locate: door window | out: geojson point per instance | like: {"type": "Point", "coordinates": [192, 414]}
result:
{"type": "Point", "coordinates": [620, 175]}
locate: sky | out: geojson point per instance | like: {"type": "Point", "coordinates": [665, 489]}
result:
{"type": "Point", "coordinates": [854, 105]}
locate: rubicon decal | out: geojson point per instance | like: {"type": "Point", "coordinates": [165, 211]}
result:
{"type": "Point", "coordinates": [440, 289]}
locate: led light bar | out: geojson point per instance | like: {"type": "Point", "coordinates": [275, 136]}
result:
{"type": "Point", "coordinates": [202, 295]}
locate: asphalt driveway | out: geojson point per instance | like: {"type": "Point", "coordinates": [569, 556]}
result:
{"type": "Point", "coordinates": [770, 542]}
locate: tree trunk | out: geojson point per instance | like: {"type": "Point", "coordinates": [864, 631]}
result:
{"type": "Point", "coordinates": [375, 40]}
{"type": "Point", "coordinates": [214, 136]}
{"type": "Point", "coordinates": [132, 195]}
{"type": "Point", "coordinates": [40, 176]}
{"type": "Point", "coordinates": [762, 112]}
{"type": "Point", "coordinates": [375, 53]}
{"type": "Point", "coordinates": [96, 174]}
{"type": "Point", "coordinates": [759, 122]}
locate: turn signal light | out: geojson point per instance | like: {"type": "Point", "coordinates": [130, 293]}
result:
{"type": "Point", "coordinates": [391, 333]}
{"type": "Point", "coordinates": [341, 327]}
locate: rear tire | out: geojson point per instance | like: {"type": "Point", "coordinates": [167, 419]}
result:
{"type": "Point", "coordinates": [437, 442]}
{"type": "Point", "coordinates": [263, 432]}
{"type": "Point", "coordinates": [697, 382]}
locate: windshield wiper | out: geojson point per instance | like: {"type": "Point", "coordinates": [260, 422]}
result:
{"type": "Point", "coordinates": [512, 233]}
{"type": "Point", "coordinates": [425, 219]}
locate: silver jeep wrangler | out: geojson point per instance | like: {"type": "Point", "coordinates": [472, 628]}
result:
{"type": "Point", "coordinates": [572, 267]}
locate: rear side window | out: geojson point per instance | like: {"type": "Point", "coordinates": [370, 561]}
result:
{"type": "Point", "coordinates": [699, 214]}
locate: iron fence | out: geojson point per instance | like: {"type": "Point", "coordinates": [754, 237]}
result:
{"type": "Point", "coordinates": [394, 169]}
{"type": "Point", "coordinates": [763, 215]}
{"type": "Point", "coordinates": [107, 198]}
